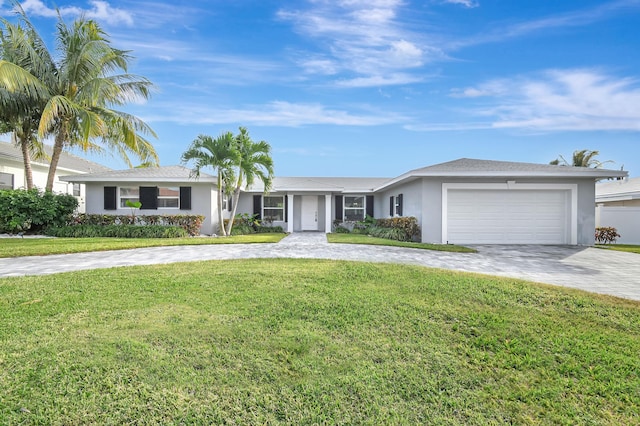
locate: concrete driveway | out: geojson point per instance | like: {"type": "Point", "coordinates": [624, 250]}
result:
{"type": "Point", "coordinates": [590, 269]}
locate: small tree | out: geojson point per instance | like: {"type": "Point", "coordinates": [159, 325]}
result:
{"type": "Point", "coordinates": [219, 154]}
{"type": "Point", "coordinates": [254, 162]}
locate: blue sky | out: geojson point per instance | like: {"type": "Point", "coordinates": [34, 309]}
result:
{"type": "Point", "coordinates": [379, 87]}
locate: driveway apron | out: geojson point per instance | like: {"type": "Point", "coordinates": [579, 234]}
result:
{"type": "Point", "coordinates": [586, 268]}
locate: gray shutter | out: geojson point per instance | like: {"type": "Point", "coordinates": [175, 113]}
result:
{"type": "Point", "coordinates": [110, 198]}
{"type": "Point", "coordinates": [257, 206]}
{"type": "Point", "coordinates": [399, 204]}
{"type": "Point", "coordinates": [149, 197]}
{"type": "Point", "coordinates": [185, 198]}
{"type": "Point", "coordinates": [369, 205]}
{"type": "Point", "coordinates": [392, 206]}
{"type": "Point", "coordinates": [338, 207]}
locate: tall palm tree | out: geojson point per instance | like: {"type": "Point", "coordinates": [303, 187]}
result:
{"type": "Point", "coordinates": [79, 110]}
{"type": "Point", "coordinates": [219, 154]}
{"type": "Point", "coordinates": [254, 162]}
{"type": "Point", "coordinates": [20, 112]}
{"type": "Point", "coordinates": [79, 92]}
{"type": "Point", "coordinates": [581, 158]}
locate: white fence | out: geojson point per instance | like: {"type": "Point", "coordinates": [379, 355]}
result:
{"type": "Point", "coordinates": [625, 219]}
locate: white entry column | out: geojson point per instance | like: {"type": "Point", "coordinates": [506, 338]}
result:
{"type": "Point", "coordinates": [327, 214]}
{"type": "Point", "coordinates": [290, 198]}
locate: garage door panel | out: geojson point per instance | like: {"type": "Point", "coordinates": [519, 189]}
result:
{"type": "Point", "coordinates": [507, 216]}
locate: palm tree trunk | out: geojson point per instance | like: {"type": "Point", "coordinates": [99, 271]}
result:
{"type": "Point", "coordinates": [58, 146]}
{"type": "Point", "coordinates": [236, 198]}
{"type": "Point", "coordinates": [26, 158]}
{"type": "Point", "coordinates": [220, 216]}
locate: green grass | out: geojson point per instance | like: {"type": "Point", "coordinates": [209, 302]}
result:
{"type": "Point", "coordinates": [620, 247]}
{"type": "Point", "coordinates": [296, 341]}
{"type": "Point", "coordinates": [13, 247]}
{"type": "Point", "coordinates": [365, 239]}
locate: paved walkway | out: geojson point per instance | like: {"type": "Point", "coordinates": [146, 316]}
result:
{"type": "Point", "coordinates": [595, 270]}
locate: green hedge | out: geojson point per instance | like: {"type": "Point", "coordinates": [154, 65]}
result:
{"type": "Point", "coordinates": [32, 210]}
{"type": "Point", "coordinates": [118, 231]}
{"type": "Point", "coordinates": [190, 223]}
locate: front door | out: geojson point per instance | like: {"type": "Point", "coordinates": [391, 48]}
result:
{"type": "Point", "coordinates": [309, 220]}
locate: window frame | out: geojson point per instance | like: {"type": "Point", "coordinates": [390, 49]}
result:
{"type": "Point", "coordinates": [12, 181]}
{"type": "Point", "coordinates": [345, 208]}
{"type": "Point", "coordinates": [271, 218]}
{"type": "Point", "coordinates": [176, 197]}
{"type": "Point", "coordinates": [121, 204]}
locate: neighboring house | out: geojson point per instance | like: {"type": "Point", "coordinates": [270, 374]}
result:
{"type": "Point", "coordinates": [618, 206]}
{"type": "Point", "coordinates": [12, 175]}
{"type": "Point", "coordinates": [463, 201]}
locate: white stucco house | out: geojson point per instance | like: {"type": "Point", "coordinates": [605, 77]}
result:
{"type": "Point", "coordinates": [12, 175]}
{"type": "Point", "coordinates": [618, 206]}
{"type": "Point", "coordinates": [465, 201]}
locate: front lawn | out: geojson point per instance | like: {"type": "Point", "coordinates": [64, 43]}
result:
{"type": "Point", "coordinates": [312, 342]}
{"type": "Point", "coordinates": [13, 247]}
{"type": "Point", "coordinates": [365, 239]}
{"type": "Point", "coordinates": [620, 247]}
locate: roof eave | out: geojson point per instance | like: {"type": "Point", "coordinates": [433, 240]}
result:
{"type": "Point", "coordinates": [83, 179]}
{"type": "Point", "coordinates": [592, 174]}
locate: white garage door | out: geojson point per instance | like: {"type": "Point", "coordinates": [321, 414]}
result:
{"type": "Point", "coordinates": [508, 217]}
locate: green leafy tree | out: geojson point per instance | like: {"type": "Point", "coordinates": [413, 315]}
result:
{"type": "Point", "coordinates": [581, 158]}
{"type": "Point", "coordinates": [80, 91]}
{"type": "Point", "coordinates": [218, 154]}
{"type": "Point", "coordinates": [254, 162]}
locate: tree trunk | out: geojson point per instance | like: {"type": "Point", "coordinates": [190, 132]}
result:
{"type": "Point", "coordinates": [26, 158]}
{"type": "Point", "coordinates": [220, 216]}
{"type": "Point", "coordinates": [236, 198]}
{"type": "Point", "coordinates": [58, 146]}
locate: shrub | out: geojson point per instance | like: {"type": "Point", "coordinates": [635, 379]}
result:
{"type": "Point", "coordinates": [407, 227]}
{"type": "Point", "coordinates": [269, 230]}
{"type": "Point", "coordinates": [118, 231]}
{"type": "Point", "coordinates": [388, 233]}
{"type": "Point", "coordinates": [32, 210]}
{"type": "Point", "coordinates": [606, 235]}
{"type": "Point", "coordinates": [242, 230]}
{"type": "Point", "coordinates": [190, 223]}
{"type": "Point", "coordinates": [341, 230]}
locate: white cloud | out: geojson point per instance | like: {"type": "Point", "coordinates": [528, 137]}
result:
{"type": "Point", "coordinates": [101, 11]}
{"type": "Point", "coordinates": [364, 40]}
{"type": "Point", "coordinates": [276, 113]}
{"type": "Point", "coordinates": [465, 3]}
{"type": "Point", "coordinates": [575, 18]}
{"type": "Point", "coordinates": [377, 80]}
{"type": "Point", "coordinates": [556, 100]}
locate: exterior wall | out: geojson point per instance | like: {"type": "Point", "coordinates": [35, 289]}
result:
{"type": "Point", "coordinates": [40, 173]}
{"type": "Point", "coordinates": [423, 199]}
{"type": "Point", "coordinates": [625, 219]}
{"type": "Point", "coordinates": [203, 201]}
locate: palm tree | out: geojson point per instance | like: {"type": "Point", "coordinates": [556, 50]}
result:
{"type": "Point", "coordinates": [581, 158]}
{"type": "Point", "coordinates": [79, 91]}
{"type": "Point", "coordinates": [79, 110]}
{"type": "Point", "coordinates": [20, 112]}
{"type": "Point", "coordinates": [219, 154]}
{"type": "Point", "coordinates": [254, 162]}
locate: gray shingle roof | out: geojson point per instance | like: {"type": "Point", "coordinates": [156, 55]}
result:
{"type": "Point", "coordinates": [334, 184]}
{"type": "Point", "coordinates": [144, 174]}
{"type": "Point", "coordinates": [468, 167]}
{"type": "Point", "coordinates": [67, 162]}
